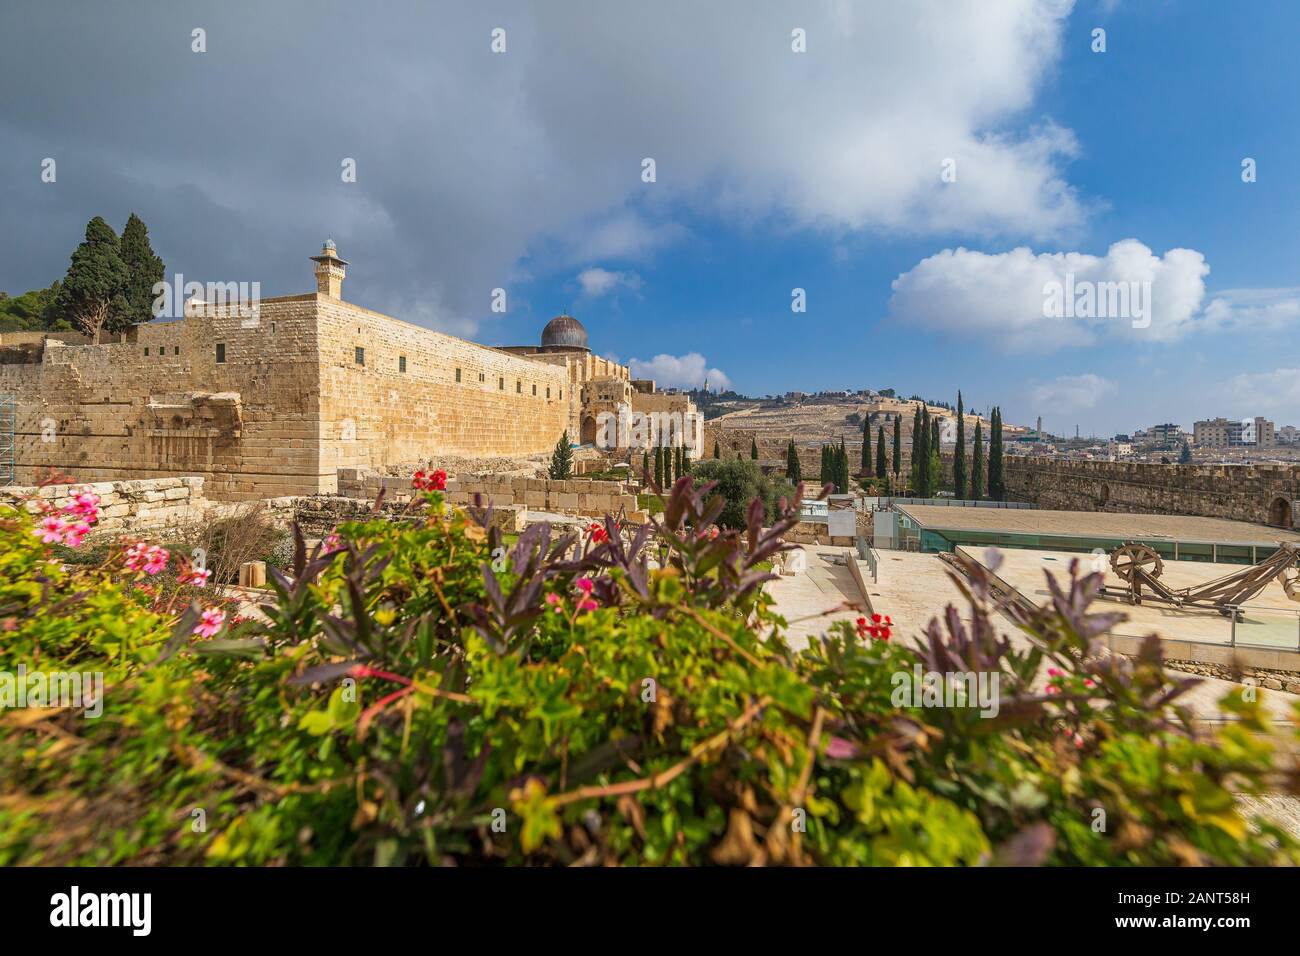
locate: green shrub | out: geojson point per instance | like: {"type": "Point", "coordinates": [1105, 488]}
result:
{"type": "Point", "coordinates": [416, 697]}
{"type": "Point", "coordinates": [739, 481]}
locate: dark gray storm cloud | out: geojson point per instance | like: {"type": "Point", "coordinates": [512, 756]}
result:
{"type": "Point", "coordinates": [477, 170]}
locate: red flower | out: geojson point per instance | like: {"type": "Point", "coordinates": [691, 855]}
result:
{"type": "Point", "coordinates": [880, 627]}
{"type": "Point", "coordinates": [597, 532]}
{"type": "Point", "coordinates": [430, 480]}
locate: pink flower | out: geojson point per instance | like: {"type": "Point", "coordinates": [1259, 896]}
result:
{"type": "Point", "coordinates": [51, 529]}
{"type": "Point", "coordinates": [333, 543]}
{"type": "Point", "coordinates": [86, 504]}
{"type": "Point", "coordinates": [149, 558]}
{"type": "Point", "coordinates": [74, 533]}
{"type": "Point", "coordinates": [210, 623]}
{"type": "Point", "coordinates": [555, 601]}
{"type": "Point", "coordinates": [837, 748]}
{"type": "Point", "coordinates": [196, 576]}
{"type": "Point", "coordinates": [584, 585]}
{"type": "Point", "coordinates": [587, 604]}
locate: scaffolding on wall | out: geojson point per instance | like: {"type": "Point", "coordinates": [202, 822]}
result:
{"type": "Point", "coordinates": [8, 425]}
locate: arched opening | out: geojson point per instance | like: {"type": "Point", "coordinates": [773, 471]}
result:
{"type": "Point", "coordinates": [1279, 513]}
{"type": "Point", "coordinates": [588, 436]}
{"type": "Point", "coordinates": [1103, 494]}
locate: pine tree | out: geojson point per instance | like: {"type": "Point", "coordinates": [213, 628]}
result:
{"type": "Point", "coordinates": [144, 271]}
{"type": "Point", "coordinates": [92, 291]}
{"type": "Point", "coordinates": [977, 464]}
{"type": "Point", "coordinates": [898, 447]}
{"type": "Point", "coordinates": [753, 449]}
{"type": "Point", "coordinates": [882, 465]}
{"type": "Point", "coordinates": [1185, 456]}
{"type": "Point", "coordinates": [866, 445]}
{"type": "Point", "coordinates": [997, 487]}
{"type": "Point", "coordinates": [561, 459]}
{"type": "Point", "coordinates": [959, 455]}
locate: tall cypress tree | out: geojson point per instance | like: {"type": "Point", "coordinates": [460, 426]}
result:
{"type": "Point", "coordinates": [793, 470]}
{"type": "Point", "coordinates": [921, 454]}
{"type": "Point", "coordinates": [144, 271]}
{"type": "Point", "coordinates": [916, 435]}
{"type": "Point", "coordinates": [824, 475]}
{"type": "Point", "coordinates": [934, 473]}
{"type": "Point", "coordinates": [977, 463]}
{"type": "Point", "coordinates": [882, 466]}
{"type": "Point", "coordinates": [92, 291]}
{"type": "Point", "coordinates": [645, 463]}
{"type": "Point", "coordinates": [866, 445]}
{"type": "Point", "coordinates": [959, 455]}
{"type": "Point", "coordinates": [997, 487]}
{"type": "Point", "coordinates": [659, 465]}
{"type": "Point", "coordinates": [686, 461]}
{"type": "Point", "coordinates": [753, 448]}
{"type": "Point", "coordinates": [898, 447]}
{"type": "Point", "coordinates": [717, 449]}
{"type": "Point", "coordinates": [842, 469]}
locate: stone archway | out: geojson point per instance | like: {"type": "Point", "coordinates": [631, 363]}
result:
{"type": "Point", "coordinates": [588, 436]}
{"type": "Point", "coordinates": [1279, 513]}
{"type": "Point", "coordinates": [1103, 494]}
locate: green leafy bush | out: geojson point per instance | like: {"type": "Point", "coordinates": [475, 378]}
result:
{"type": "Point", "coordinates": [415, 696]}
{"type": "Point", "coordinates": [739, 481]}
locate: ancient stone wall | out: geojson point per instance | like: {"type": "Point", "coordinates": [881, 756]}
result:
{"type": "Point", "coordinates": [126, 506]}
{"type": "Point", "coordinates": [375, 415]}
{"type": "Point", "coordinates": [1264, 494]}
{"type": "Point", "coordinates": [163, 406]}
{"type": "Point", "coordinates": [275, 403]}
{"type": "Point", "coordinates": [572, 496]}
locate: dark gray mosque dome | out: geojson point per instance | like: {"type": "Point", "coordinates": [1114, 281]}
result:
{"type": "Point", "coordinates": [564, 331]}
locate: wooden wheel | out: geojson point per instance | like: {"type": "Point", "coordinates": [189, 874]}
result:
{"type": "Point", "coordinates": [1128, 558]}
{"type": "Point", "coordinates": [1290, 580]}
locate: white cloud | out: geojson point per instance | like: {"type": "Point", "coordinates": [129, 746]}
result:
{"type": "Point", "coordinates": [1002, 297]}
{"type": "Point", "coordinates": [1253, 310]}
{"type": "Point", "coordinates": [680, 371]}
{"type": "Point", "coordinates": [596, 281]}
{"type": "Point", "coordinates": [1069, 393]}
{"type": "Point", "coordinates": [1276, 393]}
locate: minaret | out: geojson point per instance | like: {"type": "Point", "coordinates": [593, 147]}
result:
{"type": "Point", "coordinates": [330, 271]}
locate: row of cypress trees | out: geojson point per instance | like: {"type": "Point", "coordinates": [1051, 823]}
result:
{"type": "Point", "coordinates": [972, 485]}
{"type": "Point", "coordinates": [671, 463]}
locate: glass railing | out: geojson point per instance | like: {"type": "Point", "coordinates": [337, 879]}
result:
{"type": "Point", "coordinates": [1255, 626]}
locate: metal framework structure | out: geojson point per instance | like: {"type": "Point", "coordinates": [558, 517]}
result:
{"type": "Point", "coordinates": [8, 425]}
{"type": "Point", "coordinates": [1140, 566]}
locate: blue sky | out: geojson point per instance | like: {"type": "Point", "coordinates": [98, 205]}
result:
{"type": "Point", "coordinates": [1163, 119]}
{"type": "Point", "coordinates": [775, 170]}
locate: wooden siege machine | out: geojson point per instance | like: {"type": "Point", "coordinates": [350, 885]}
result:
{"type": "Point", "coordinates": [1139, 566]}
